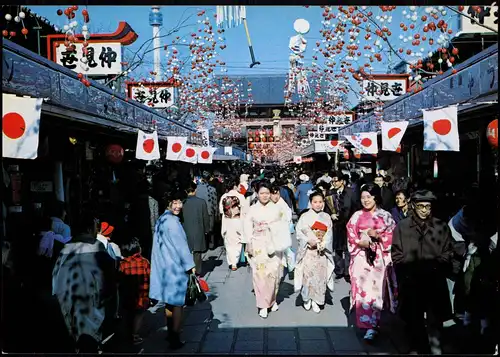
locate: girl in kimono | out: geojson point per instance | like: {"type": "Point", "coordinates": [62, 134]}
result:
{"type": "Point", "coordinates": [264, 260]}
{"type": "Point", "coordinates": [233, 207]}
{"type": "Point", "coordinates": [286, 217]}
{"type": "Point", "coordinates": [171, 263]}
{"type": "Point", "coordinates": [314, 267]}
{"type": "Point", "coordinates": [369, 235]}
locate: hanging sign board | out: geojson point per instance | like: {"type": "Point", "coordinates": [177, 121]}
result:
{"type": "Point", "coordinates": [103, 58]}
{"type": "Point", "coordinates": [484, 17]}
{"type": "Point", "coordinates": [314, 135]}
{"type": "Point", "coordinates": [385, 87]}
{"type": "Point", "coordinates": [156, 95]}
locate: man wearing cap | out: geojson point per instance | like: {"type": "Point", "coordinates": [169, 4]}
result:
{"type": "Point", "coordinates": [422, 254]}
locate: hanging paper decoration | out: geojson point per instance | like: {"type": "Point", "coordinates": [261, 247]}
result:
{"type": "Point", "coordinates": [492, 133]}
{"type": "Point", "coordinates": [435, 171]}
{"type": "Point", "coordinates": [441, 129]}
{"type": "Point", "coordinates": [228, 150]}
{"type": "Point", "coordinates": [230, 16]}
{"type": "Point", "coordinates": [189, 154]}
{"type": "Point", "coordinates": [366, 143]}
{"type": "Point", "coordinates": [392, 133]}
{"type": "Point", "coordinates": [297, 77]}
{"type": "Point", "coordinates": [114, 153]}
{"type": "Point", "coordinates": [205, 154]}
{"type": "Point", "coordinates": [20, 126]}
{"type": "Point", "coordinates": [147, 146]}
{"type": "Point", "coordinates": [175, 146]}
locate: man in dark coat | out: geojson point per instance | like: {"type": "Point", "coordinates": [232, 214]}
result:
{"type": "Point", "coordinates": [344, 204]}
{"type": "Point", "coordinates": [422, 252]}
{"type": "Point", "coordinates": [388, 201]}
{"type": "Point", "coordinates": [196, 225]}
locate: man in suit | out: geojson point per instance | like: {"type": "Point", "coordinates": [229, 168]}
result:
{"type": "Point", "coordinates": [196, 225]}
{"type": "Point", "coordinates": [388, 201]}
{"type": "Point", "coordinates": [344, 205]}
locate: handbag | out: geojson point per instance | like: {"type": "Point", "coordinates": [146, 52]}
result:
{"type": "Point", "coordinates": [243, 258]}
{"type": "Point", "coordinates": [194, 291]}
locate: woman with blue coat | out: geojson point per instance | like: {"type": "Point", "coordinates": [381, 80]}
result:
{"type": "Point", "coordinates": [171, 263]}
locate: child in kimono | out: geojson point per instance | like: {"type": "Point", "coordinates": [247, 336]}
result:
{"type": "Point", "coordinates": [314, 267]}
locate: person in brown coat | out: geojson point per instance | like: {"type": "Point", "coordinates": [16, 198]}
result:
{"type": "Point", "coordinates": [421, 253]}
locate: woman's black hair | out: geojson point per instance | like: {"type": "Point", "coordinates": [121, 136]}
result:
{"type": "Point", "coordinates": [231, 183]}
{"type": "Point", "coordinates": [174, 195]}
{"type": "Point", "coordinates": [315, 194]}
{"type": "Point", "coordinates": [404, 192]}
{"type": "Point", "coordinates": [275, 188]}
{"type": "Point", "coordinates": [263, 184]}
{"type": "Point", "coordinates": [373, 190]}
{"type": "Point", "coordinates": [131, 247]}
{"type": "Point", "coordinates": [322, 184]}
{"type": "Point", "coordinates": [191, 187]}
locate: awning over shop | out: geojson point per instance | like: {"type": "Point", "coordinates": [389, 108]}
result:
{"type": "Point", "coordinates": [474, 83]}
{"type": "Point", "coordinates": [28, 74]}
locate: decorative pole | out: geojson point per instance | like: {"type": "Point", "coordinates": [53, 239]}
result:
{"type": "Point", "coordinates": [156, 21]}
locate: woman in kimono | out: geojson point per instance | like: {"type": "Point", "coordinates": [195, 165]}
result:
{"type": "Point", "coordinates": [171, 263]}
{"type": "Point", "coordinates": [286, 216]}
{"type": "Point", "coordinates": [233, 207]}
{"type": "Point", "coordinates": [314, 268]}
{"type": "Point", "coordinates": [264, 260]}
{"type": "Point", "coordinates": [369, 235]}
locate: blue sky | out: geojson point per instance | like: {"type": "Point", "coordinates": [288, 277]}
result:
{"type": "Point", "coordinates": [270, 29]}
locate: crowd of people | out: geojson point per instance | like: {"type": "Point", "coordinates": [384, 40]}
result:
{"type": "Point", "coordinates": [390, 239]}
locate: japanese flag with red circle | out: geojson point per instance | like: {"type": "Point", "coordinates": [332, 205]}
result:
{"type": "Point", "coordinates": [441, 129]}
{"type": "Point", "coordinates": [147, 146]}
{"type": "Point", "coordinates": [392, 133]}
{"type": "Point", "coordinates": [20, 126]}
{"type": "Point", "coordinates": [364, 142]}
{"type": "Point", "coordinates": [189, 154]}
{"type": "Point", "coordinates": [175, 146]}
{"type": "Point", "coordinates": [205, 154]}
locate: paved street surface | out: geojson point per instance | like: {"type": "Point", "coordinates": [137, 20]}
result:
{"type": "Point", "coordinates": [228, 322]}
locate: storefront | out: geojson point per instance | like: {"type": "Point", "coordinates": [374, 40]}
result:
{"type": "Point", "coordinates": [87, 140]}
{"type": "Point", "coordinates": [474, 88]}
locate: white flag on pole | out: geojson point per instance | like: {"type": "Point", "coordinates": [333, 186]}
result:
{"type": "Point", "coordinates": [189, 154]}
{"type": "Point", "coordinates": [392, 133]}
{"type": "Point", "coordinates": [175, 146]}
{"type": "Point", "coordinates": [20, 126]}
{"type": "Point", "coordinates": [205, 154]}
{"type": "Point", "coordinates": [147, 146]}
{"type": "Point", "coordinates": [365, 142]}
{"type": "Point", "coordinates": [441, 129]}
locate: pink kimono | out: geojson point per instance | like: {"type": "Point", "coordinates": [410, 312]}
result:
{"type": "Point", "coordinates": [369, 283]}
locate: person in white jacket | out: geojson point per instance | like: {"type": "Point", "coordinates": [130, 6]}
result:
{"type": "Point", "coordinates": [233, 206]}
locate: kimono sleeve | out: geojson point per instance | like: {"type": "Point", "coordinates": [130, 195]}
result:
{"type": "Point", "coordinates": [387, 233]}
{"type": "Point", "coordinates": [221, 207]}
{"type": "Point", "coordinates": [352, 233]}
{"type": "Point", "coordinates": [247, 227]}
{"type": "Point", "coordinates": [328, 238]}
{"type": "Point", "coordinates": [304, 232]}
{"type": "Point", "coordinates": [181, 246]}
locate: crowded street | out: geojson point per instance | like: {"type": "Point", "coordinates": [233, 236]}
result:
{"type": "Point", "coordinates": [263, 180]}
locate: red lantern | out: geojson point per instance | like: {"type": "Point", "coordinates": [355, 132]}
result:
{"type": "Point", "coordinates": [250, 132]}
{"type": "Point", "coordinates": [257, 139]}
{"type": "Point", "coordinates": [271, 139]}
{"type": "Point", "coordinates": [251, 145]}
{"type": "Point", "coordinates": [250, 139]}
{"type": "Point", "coordinates": [114, 153]}
{"type": "Point", "coordinates": [264, 139]}
{"type": "Point", "coordinates": [492, 133]}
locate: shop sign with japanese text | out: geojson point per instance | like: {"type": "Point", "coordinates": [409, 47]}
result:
{"type": "Point", "coordinates": [385, 87]}
{"type": "Point", "coordinates": [488, 16]}
{"type": "Point", "coordinates": [152, 94]}
{"type": "Point", "coordinates": [103, 58]}
{"type": "Point", "coordinates": [328, 128]}
{"type": "Point", "coordinates": [340, 119]}
{"type": "Point", "coordinates": [314, 135]}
